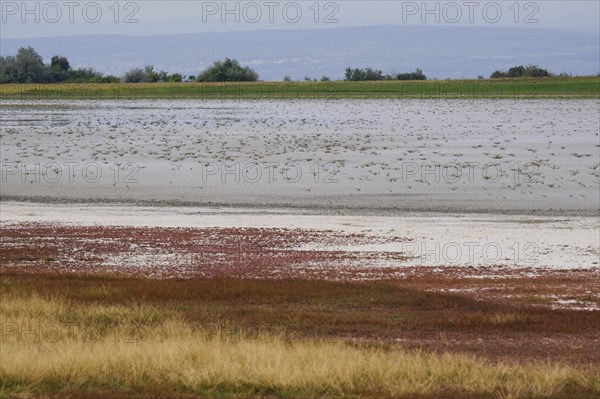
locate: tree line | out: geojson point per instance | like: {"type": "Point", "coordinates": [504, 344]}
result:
{"type": "Point", "coordinates": [529, 71]}
{"type": "Point", "coordinates": [370, 74]}
{"type": "Point", "coordinates": [27, 66]}
{"type": "Point", "coordinates": [228, 70]}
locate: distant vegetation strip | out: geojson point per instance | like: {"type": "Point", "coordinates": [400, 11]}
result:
{"type": "Point", "coordinates": [518, 89]}
{"type": "Point", "coordinates": [27, 66]}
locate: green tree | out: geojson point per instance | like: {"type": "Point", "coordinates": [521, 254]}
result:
{"type": "Point", "coordinates": [520, 71]}
{"type": "Point", "coordinates": [152, 75]}
{"type": "Point", "coordinates": [534, 71]}
{"type": "Point", "coordinates": [229, 70]}
{"type": "Point", "coordinates": [416, 75]}
{"type": "Point", "coordinates": [60, 63]}
{"type": "Point", "coordinates": [516, 72]}
{"type": "Point", "coordinates": [176, 77]}
{"type": "Point", "coordinates": [357, 74]}
{"type": "Point", "coordinates": [8, 69]}
{"type": "Point", "coordinates": [88, 75]}
{"type": "Point", "coordinates": [59, 69]}
{"type": "Point", "coordinates": [354, 74]}
{"type": "Point", "coordinates": [30, 66]}
{"type": "Point", "coordinates": [135, 75]}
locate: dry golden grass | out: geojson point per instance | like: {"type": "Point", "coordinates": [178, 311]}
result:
{"type": "Point", "coordinates": [51, 345]}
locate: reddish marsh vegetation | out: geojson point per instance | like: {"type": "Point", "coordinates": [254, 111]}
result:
{"type": "Point", "coordinates": [298, 292]}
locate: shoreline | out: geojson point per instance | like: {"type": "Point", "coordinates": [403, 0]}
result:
{"type": "Point", "coordinates": [299, 206]}
{"type": "Point", "coordinates": [408, 240]}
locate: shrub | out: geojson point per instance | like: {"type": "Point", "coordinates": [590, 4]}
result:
{"type": "Point", "coordinates": [229, 70]}
{"type": "Point", "coordinates": [416, 75]}
{"type": "Point", "coordinates": [88, 75]}
{"type": "Point", "coordinates": [369, 74]}
{"type": "Point", "coordinates": [520, 71]}
{"type": "Point", "coordinates": [136, 75]}
{"type": "Point", "coordinates": [357, 74]}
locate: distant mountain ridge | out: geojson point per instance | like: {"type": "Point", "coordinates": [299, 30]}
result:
{"type": "Point", "coordinates": [440, 51]}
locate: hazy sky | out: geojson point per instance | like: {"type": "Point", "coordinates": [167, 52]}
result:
{"type": "Point", "coordinates": [148, 17]}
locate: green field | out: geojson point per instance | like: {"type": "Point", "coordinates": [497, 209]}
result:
{"type": "Point", "coordinates": [579, 87]}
